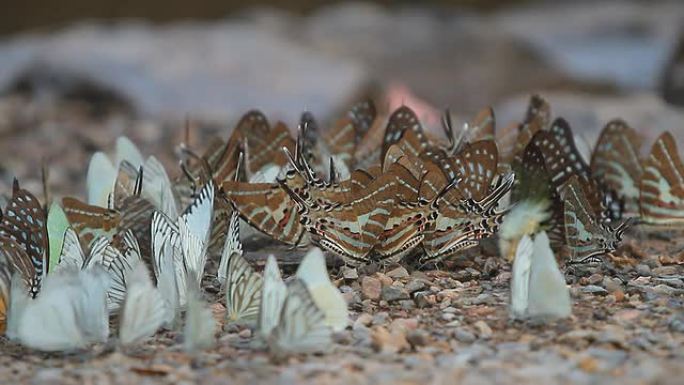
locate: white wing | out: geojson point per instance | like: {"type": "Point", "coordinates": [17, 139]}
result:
{"type": "Point", "coordinates": [19, 299]}
{"type": "Point", "coordinates": [71, 256]}
{"type": "Point", "coordinates": [302, 327]}
{"type": "Point", "coordinates": [144, 310]}
{"type": "Point", "coordinates": [243, 291]}
{"type": "Point", "coordinates": [118, 264]}
{"type": "Point", "coordinates": [128, 151]}
{"type": "Point", "coordinates": [313, 272]}
{"type": "Point", "coordinates": [272, 298]}
{"type": "Point", "coordinates": [231, 246]}
{"type": "Point", "coordinates": [549, 296]}
{"type": "Point", "coordinates": [70, 312]}
{"type": "Point", "coordinates": [520, 280]}
{"type": "Point", "coordinates": [157, 187]}
{"type": "Point", "coordinates": [200, 326]}
{"type": "Point", "coordinates": [198, 215]}
{"type": "Point", "coordinates": [195, 229]}
{"type": "Point", "coordinates": [100, 179]}
{"type": "Point", "coordinates": [165, 254]}
{"type": "Point", "coordinates": [267, 174]}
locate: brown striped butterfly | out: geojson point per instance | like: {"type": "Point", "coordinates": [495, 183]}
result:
{"type": "Point", "coordinates": [661, 191]}
{"type": "Point", "coordinates": [586, 236]}
{"type": "Point", "coordinates": [616, 163]}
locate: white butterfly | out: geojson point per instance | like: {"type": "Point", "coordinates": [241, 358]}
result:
{"type": "Point", "coordinates": [242, 284]}
{"type": "Point", "coordinates": [301, 326]}
{"type": "Point", "coordinates": [117, 260]}
{"type": "Point", "coordinates": [538, 289]}
{"type": "Point", "coordinates": [69, 313]}
{"type": "Point", "coordinates": [57, 225]}
{"type": "Point", "coordinates": [524, 218]}
{"type": "Point", "coordinates": [272, 298]}
{"type": "Point", "coordinates": [144, 310]}
{"type": "Point", "coordinates": [102, 172]}
{"type": "Point", "coordinates": [186, 241]}
{"type": "Point", "coordinates": [289, 319]}
{"type": "Point", "coordinates": [200, 326]}
{"type": "Point", "coordinates": [313, 272]}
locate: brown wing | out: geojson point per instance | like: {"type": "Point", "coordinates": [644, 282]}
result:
{"type": "Point", "coordinates": [661, 198]}
{"type": "Point", "coordinates": [24, 220]}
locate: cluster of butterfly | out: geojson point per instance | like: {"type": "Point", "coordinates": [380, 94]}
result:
{"type": "Point", "coordinates": [359, 193]}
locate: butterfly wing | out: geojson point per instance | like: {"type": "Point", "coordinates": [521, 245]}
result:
{"type": "Point", "coordinates": [195, 230]}
{"type": "Point", "coordinates": [167, 261]}
{"type": "Point", "coordinates": [520, 279]}
{"type": "Point", "coordinates": [302, 325]}
{"type": "Point", "coordinates": [144, 310]}
{"type": "Point", "coordinates": [231, 246]}
{"type": "Point", "coordinates": [243, 291]}
{"type": "Point", "coordinates": [100, 179]}
{"type": "Point", "coordinates": [548, 295]}
{"type": "Point", "coordinates": [200, 326]}
{"type": "Point", "coordinates": [313, 272]}
{"type": "Point", "coordinates": [272, 298]}
{"type": "Point", "coordinates": [57, 225]}
{"type": "Point", "coordinates": [71, 256]}
{"type": "Point", "coordinates": [617, 164]}
{"type": "Point", "coordinates": [661, 197]}
{"type": "Point", "coordinates": [24, 221]}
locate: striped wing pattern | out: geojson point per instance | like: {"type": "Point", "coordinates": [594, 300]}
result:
{"type": "Point", "coordinates": [243, 291]}
{"type": "Point", "coordinates": [661, 191]}
{"type": "Point", "coordinates": [616, 163]}
{"type": "Point", "coordinates": [585, 235]}
{"type": "Point", "coordinates": [301, 327]}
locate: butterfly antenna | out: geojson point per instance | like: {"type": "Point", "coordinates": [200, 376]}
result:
{"type": "Point", "coordinates": [333, 171]}
{"type": "Point", "coordinates": [240, 165]}
{"type": "Point", "coordinates": [303, 206]}
{"type": "Point", "coordinates": [448, 129]}
{"type": "Point", "coordinates": [44, 174]}
{"type": "Point", "coordinates": [293, 161]}
{"type": "Point", "coordinates": [137, 190]}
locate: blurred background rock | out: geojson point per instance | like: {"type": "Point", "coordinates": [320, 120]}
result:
{"type": "Point", "coordinates": [83, 72]}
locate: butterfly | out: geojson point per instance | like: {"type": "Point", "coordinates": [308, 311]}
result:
{"type": "Point", "coordinates": [513, 139]}
{"type": "Point", "coordinates": [350, 229]}
{"type": "Point", "coordinates": [585, 235]}
{"type": "Point", "coordinates": [661, 190]}
{"type": "Point", "coordinates": [24, 222]}
{"type": "Point", "coordinates": [57, 225]}
{"type": "Point", "coordinates": [102, 172]}
{"type": "Point", "coordinates": [563, 161]}
{"type": "Point", "coordinates": [268, 207]}
{"type": "Point", "coordinates": [536, 205]}
{"type": "Point", "coordinates": [144, 310]}
{"type": "Point", "coordinates": [186, 239]}
{"type": "Point", "coordinates": [200, 327]}
{"type": "Point", "coordinates": [467, 212]}
{"type": "Point", "coordinates": [289, 320]}
{"type": "Point", "coordinates": [616, 163]}
{"type": "Point", "coordinates": [70, 313]}
{"type": "Point", "coordinates": [403, 120]}
{"type": "Point", "coordinates": [340, 142]}
{"type": "Point", "coordinates": [242, 284]}
{"type": "Point", "coordinates": [481, 127]}
{"type": "Point", "coordinates": [313, 273]}
{"type": "Point", "coordinates": [538, 288]}
{"type": "Point", "coordinates": [117, 257]}
{"type": "Point", "coordinates": [6, 270]}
